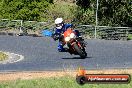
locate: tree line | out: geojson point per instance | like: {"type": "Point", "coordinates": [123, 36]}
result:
{"type": "Point", "coordinates": [24, 9]}
{"type": "Point", "coordinates": [110, 12]}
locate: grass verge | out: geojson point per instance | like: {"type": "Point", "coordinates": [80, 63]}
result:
{"type": "Point", "coordinates": [3, 56]}
{"type": "Point", "coordinates": [54, 82]}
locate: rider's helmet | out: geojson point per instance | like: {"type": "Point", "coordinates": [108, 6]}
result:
{"type": "Point", "coordinates": [59, 23]}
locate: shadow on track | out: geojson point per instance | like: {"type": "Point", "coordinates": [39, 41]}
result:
{"type": "Point", "coordinates": [76, 58]}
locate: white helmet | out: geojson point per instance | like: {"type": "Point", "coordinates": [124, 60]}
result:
{"type": "Point", "coordinates": [59, 23]}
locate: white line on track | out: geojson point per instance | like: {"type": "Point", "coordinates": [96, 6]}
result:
{"type": "Point", "coordinates": [12, 58]}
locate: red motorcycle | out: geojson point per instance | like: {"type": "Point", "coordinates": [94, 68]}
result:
{"type": "Point", "coordinates": [73, 44]}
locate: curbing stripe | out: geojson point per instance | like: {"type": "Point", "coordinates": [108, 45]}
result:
{"type": "Point", "coordinates": [11, 57]}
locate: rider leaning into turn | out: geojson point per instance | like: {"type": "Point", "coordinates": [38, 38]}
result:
{"type": "Point", "coordinates": [61, 27]}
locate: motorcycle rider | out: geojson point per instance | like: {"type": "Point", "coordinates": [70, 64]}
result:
{"type": "Point", "coordinates": [61, 27]}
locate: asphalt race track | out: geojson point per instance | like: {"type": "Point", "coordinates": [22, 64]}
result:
{"type": "Point", "coordinates": [40, 53]}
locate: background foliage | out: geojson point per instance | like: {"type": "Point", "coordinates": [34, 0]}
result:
{"type": "Point", "coordinates": [110, 13]}
{"type": "Point", "coordinates": [23, 9]}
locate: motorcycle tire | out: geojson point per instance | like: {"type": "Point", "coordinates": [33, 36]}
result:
{"type": "Point", "coordinates": [79, 51]}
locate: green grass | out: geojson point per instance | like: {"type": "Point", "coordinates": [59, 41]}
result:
{"type": "Point", "coordinates": [3, 56]}
{"type": "Point", "coordinates": [62, 82]}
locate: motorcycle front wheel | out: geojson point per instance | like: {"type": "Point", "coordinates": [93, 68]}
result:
{"type": "Point", "coordinates": [80, 51]}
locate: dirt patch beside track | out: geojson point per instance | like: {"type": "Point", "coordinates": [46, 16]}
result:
{"type": "Point", "coordinates": [7, 76]}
